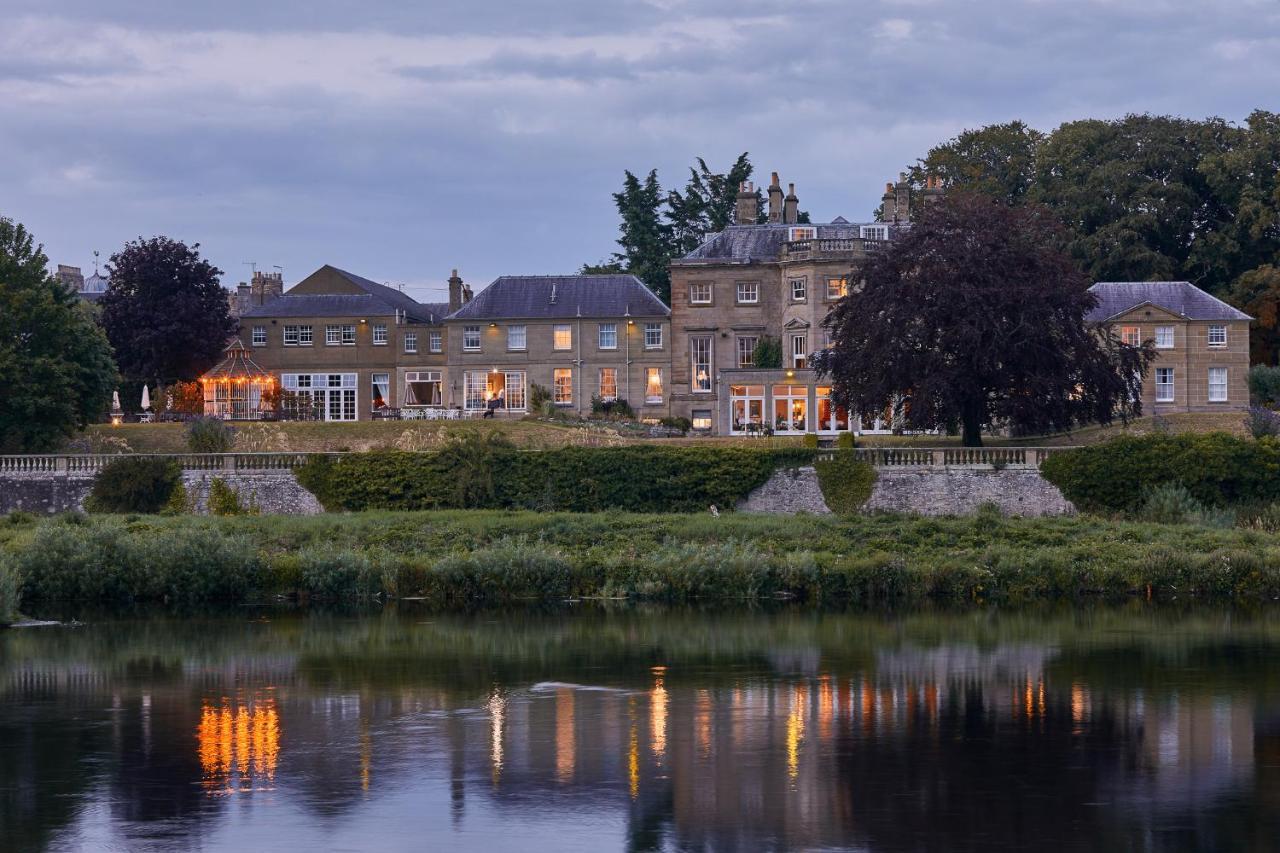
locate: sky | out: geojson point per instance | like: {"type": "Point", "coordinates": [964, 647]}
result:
{"type": "Point", "coordinates": [400, 140]}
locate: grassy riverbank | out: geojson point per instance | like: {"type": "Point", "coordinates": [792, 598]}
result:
{"type": "Point", "coordinates": [461, 557]}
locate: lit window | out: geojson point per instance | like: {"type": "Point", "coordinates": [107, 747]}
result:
{"type": "Point", "coordinates": [381, 390]}
{"type": "Point", "coordinates": [562, 337]}
{"type": "Point", "coordinates": [259, 336]}
{"type": "Point", "coordinates": [1164, 337]}
{"type": "Point", "coordinates": [700, 350]}
{"type": "Point", "coordinates": [608, 383]}
{"type": "Point", "coordinates": [470, 338]}
{"type": "Point", "coordinates": [798, 290]}
{"type": "Point", "coordinates": [422, 388]}
{"type": "Point", "coordinates": [653, 336]}
{"type": "Point", "coordinates": [436, 341]}
{"type": "Point", "coordinates": [562, 385]}
{"type": "Point", "coordinates": [799, 351]}
{"type": "Point", "coordinates": [653, 385]}
{"type": "Point", "coordinates": [380, 334]}
{"type": "Point", "coordinates": [1217, 385]}
{"type": "Point", "coordinates": [410, 342]}
{"type": "Point", "coordinates": [1131, 335]}
{"type": "Point", "coordinates": [747, 351]}
{"type": "Point", "coordinates": [1164, 384]}
{"type": "Point", "coordinates": [332, 336]}
{"type": "Point", "coordinates": [748, 292]}
{"type": "Point", "coordinates": [608, 336]}
{"type": "Point", "coordinates": [701, 419]}
{"type": "Point", "coordinates": [515, 337]}
{"type": "Point", "coordinates": [804, 233]}
{"type": "Point", "coordinates": [1217, 336]}
{"type": "Point", "coordinates": [700, 293]}
{"type": "Point", "coordinates": [837, 287]}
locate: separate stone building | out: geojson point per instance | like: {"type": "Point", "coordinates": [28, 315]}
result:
{"type": "Point", "coordinates": [343, 347]}
{"type": "Point", "coordinates": [578, 336]}
{"type": "Point", "coordinates": [1202, 343]}
{"type": "Point", "coordinates": [777, 280]}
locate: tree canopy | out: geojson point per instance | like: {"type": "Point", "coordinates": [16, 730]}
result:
{"type": "Point", "coordinates": [56, 370]}
{"type": "Point", "coordinates": [974, 317]}
{"type": "Point", "coordinates": [165, 312]}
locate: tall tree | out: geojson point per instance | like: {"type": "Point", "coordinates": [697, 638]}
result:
{"type": "Point", "coordinates": [976, 316]}
{"type": "Point", "coordinates": [998, 160]}
{"type": "Point", "coordinates": [645, 240]}
{"type": "Point", "coordinates": [56, 370]}
{"type": "Point", "coordinates": [165, 312]}
{"type": "Point", "coordinates": [1257, 293]}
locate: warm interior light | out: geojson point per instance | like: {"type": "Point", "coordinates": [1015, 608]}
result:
{"type": "Point", "coordinates": [790, 373]}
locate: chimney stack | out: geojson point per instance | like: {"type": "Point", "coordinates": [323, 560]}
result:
{"type": "Point", "coordinates": [748, 206]}
{"type": "Point", "coordinates": [902, 190]}
{"type": "Point", "coordinates": [775, 201]}
{"type": "Point", "coordinates": [889, 204]}
{"type": "Point", "coordinates": [466, 293]}
{"type": "Point", "coordinates": [455, 292]}
{"type": "Point", "coordinates": [265, 286]}
{"type": "Point", "coordinates": [791, 206]}
{"type": "Point", "coordinates": [244, 300]}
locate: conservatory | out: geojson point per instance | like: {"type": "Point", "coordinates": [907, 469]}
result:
{"type": "Point", "coordinates": [237, 388]}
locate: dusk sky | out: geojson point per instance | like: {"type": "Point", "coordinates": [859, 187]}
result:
{"type": "Point", "coordinates": [400, 140]}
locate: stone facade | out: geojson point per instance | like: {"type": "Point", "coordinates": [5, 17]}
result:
{"type": "Point", "coordinates": [275, 492]}
{"type": "Point", "coordinates": [787, 492]}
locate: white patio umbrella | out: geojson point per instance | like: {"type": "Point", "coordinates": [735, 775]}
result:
{"type": "Point", "coordinates": [146, 398]}
{"type": "Point", "coordinates": [115, 401]}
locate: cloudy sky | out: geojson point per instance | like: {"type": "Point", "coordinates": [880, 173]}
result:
{"type": "Point", "coordinates": [401, 139]}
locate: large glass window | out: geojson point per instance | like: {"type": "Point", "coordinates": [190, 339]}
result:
{"type": "Point", "coordinates": [746, 405]}
{"type": "Point", "coordinates": [515, 337]}
{"type": "Point", "coordinates": [504, 390]}
{"type": "Point", "coordinates": [653, 385]}
{"type": "Point", "coordinates": [747, 350]}
{"type": "Point", "coordinates": [329, 396]}
{"type": "Point", "coordinates": [608, 336]}
{"type": "Point", "coordinates": [608, 383]}
{"type": "Point", "coordinates": [653, 336]}
{"type": "Point", "coordinates": [790, 408]}
{"type": "Point", "coordinates": [1217, 336]}
{"type": "Point", "coordinates": [1164, 384]}
{"type": "Point", "coordinates": [1217, 384]}
{"type": "Point", "coordinates": [700, 351]}
{"type": "Point", "coordinates": [381, 397]}
{"type": "Point", "coordinates": [297, 336]}
{"type": "Point", "coordinates": [831, 418]}
{"type": "Point", "coordinates": [422, 388]}
{"type": "Point", "coordinates": [799, 351]}
{"type": "Point", "coordinates": [475, 386]}
{"type": "Point", "coordinates": [562, 382]}
{"type": "Point", "coordinates": [471, 338]}
{"type": "Point", "coordinates": [562, 337]}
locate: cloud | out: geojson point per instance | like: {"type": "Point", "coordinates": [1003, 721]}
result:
{"type": "Point", "coordinates": [401, 140]}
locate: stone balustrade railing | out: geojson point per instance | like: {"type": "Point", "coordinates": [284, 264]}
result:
{"type": "Point", "coordinates": [883, 457]}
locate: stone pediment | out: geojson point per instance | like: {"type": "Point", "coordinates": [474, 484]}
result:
{"type": "Point", "coordinates": [796, 323]}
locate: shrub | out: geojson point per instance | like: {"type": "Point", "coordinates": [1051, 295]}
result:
{"type": "Point", "coordinates": [489, 474]}
{"type": "Point", "coordinates": [1217, 469]}
{"type": "Point", "coordinates": [707, 570]}
{"type": "Point", "coordinates": [179, 502]}
{"type": "Point", "coordinates": [611, 408]}
{"type": "Point", "coordinates": [209, 435]}
{"type": "Point", "coordinates": [768, 353]}
{"type": "Point", "coordinates": [846, 441]}
{"type": "Point", "coordinates": [1169, 503]}
{"type": "Point", "coordinates": [507, 570]}
{"type": "Point", "coordinates": [539, 396]}
{"type": "Point", "coordinates": [1262, 422]}
{"type": "Point", "coordinates": [330, 572]}
{"type": "Point", "coordinates": [1264, 385]}
{"type": "Point", "coordinates": [682, 424]}
{"type": "Point", "coordinates": [224, 500]}
{"type": "Point", "coordinates": [133, 484]}
{"type": "Point", "coordinates": [194, 564]}
{"type": "Point", "coordinates": [10, 589]}
{"type": "Point", "coordinates": [809, 440]}
{"type": "Point", "coordinates": [846, 483]}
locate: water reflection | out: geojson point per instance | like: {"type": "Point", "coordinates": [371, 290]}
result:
{"type": "Point", "coordinates": [646, 731]}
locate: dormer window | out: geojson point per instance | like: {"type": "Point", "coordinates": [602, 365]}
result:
{"type": "Point", "coordinates": [804, 233]}
{"type": "Point", "coordinates": [875, 232]}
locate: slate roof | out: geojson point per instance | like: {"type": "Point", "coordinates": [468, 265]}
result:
{"type": "Point", "coordinates": [764, 242]}
{"type": "Point", "coordinates": [376, 301]}
{"type": "Point", "coordinates": [529, 297]}
{"type": "Point", "coordinates": [1180, 297]}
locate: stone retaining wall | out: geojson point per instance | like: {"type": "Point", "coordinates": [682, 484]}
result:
{"type": "Point", "coordinates": [275, 492]}
{"type": "Point", "coordinates": [924, 491]}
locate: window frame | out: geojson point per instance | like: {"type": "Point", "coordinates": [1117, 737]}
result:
{"type": "Point", "coordinates": [750, 351]}
{"type": "Point", "coordinates": [655, 328]}
{"type": "Point", "coordinates": [751, 287]}
{"type": "Point", "coordinates": [258, 336]}
{"type": "Point", "coordinates": [348, 334]}
{"type": "Point", "coordinates": [1225, 385]}
{"type": "Point", "coordinates": [799, 288]}
{"type": "Point", "coordinates": [844, 287]}
{"type": "Point", "coordinates": [435, 341]}
{"type": "Point", "coordinates": [523, 344]}
{"type": "Point", "coordinates": [1209, 335]}
{"type": "Point", "coordinates": [333, 335]}
{"type": "Point", "coordinates": [799, 360]}
{"type": "Point", "coordinates": [1172, 336]}
{"type": "Point", "coordinates": [696, 288]}
{"type": "Point", "coordinates": [380, 335]}
{"type": "Point", "coordinates": [558, 374]}
{"type": "Point", "coordinates": [373, 387]}
{"type": "Point", "coordinates": [649, 372]}
{"type": "Point", "coordinates": [411, 343]}
{"type": "Point", "coordinates": [695, 343]}
{"type": "Point", "coordinates": [556, 329]}
{"type": "Point", "coordinates": [610, 329]}
{"type": "Point", "coordinates": [612, 372]}
{"type": "Point", "coordinates": [1171, 385]}
{"type": "Point", "coordinates": [467, 337]}
{"type": "Point", "coordinates": [1131, 335]}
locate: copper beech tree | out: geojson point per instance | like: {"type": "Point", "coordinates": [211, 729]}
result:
{"type": "Point", "coordinates": [975, 317]}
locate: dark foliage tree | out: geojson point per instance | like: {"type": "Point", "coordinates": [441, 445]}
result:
{"type": "Point", "coordinates": [56, 370]}
{"type": "Point", "coordinates": [165, 313]}
{"type": "Point", "coordinates": [1257, 292]}
{"type": "Point", "coordinates": [646, 239]}
{"type": "Point", "coordinates": [999, 160]}
{"type": "Point", "coordinates": [975, 316]}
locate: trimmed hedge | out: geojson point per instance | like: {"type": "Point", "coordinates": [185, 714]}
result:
{"type": "Point", "coordinates": [1217, 469]}
{"type": "Point", "coordinates": [846, 483]}
{"type": "Point", "coordinates": [134, 484]}
{"type": "Point", "coordinates": [479, 475]}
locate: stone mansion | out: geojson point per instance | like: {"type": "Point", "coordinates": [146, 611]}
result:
{"type": "Point", "coordinates": [344, 348]}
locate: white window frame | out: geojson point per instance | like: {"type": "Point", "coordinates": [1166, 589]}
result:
{"type": "Point", "coordinates": [1220, 333]}
{"type": "Point", "coordinates": [799, 289]}
{"type": "Point", "coordinates": [1131, 335]}
{"type": "Point", "coordinates": [471, 339]}
{"type": "Point", "coordinates": [380, 334]}
{"type": "Point", "coordinates": [333, 395]}
{"type": "Point", "coordinates": [608, 338]}
{"type": "Point", "coordinates": [426, 377]}
{"type": "Point", "coordinates": [556, 331]}
{"type": "Point", "coordinates": [562, 386]}
{"type": "Point", "coordinates": [700, 293]}
{"type": "Point", "coordinates": [649, 374]}
{"type": "Point", "coordinates": [306, 336]}
{"type": "Point", "coordinates": [333, 336]}
{"type": "Point", "coordinates": [748, 352]}
{"type": "Point", "coordinates": [435, 340]}
{"type": "Point", "coordinates": [348, 335]}
{"type": "Point", "coordinates": [411, 342]}
{"type": "Point", "coordinates": [799, 351]}
{"type": "Point", "coordinates": [612, 373]}
{"type": "Point", "coordinates": [697, 343]}
{"type": "Point", "coordinates": [653, 336]}
{"type": "Point", "coordinates": [843, 288]}
{"type": "Point", "coordinates": [802, 232]}
{"type": "Point", "coordinates": [517, 338]}
{"type": "Point", "coordinates": [1164, 337]}
{"type": "Point", "coordinates": [1162, 386]}
{"type": "Point", "coordinates": [874, 232]}
{"type": "Point", "coordinates": [258, 337]}
{"type": "Point", "coordinates": [748, 292]}
{"type": "Point", "coordinates": [1222, 397]}
{"type": "Point", "coordinates": [373, 387]}
{"type": "Point", "coordinates": [702, 419]}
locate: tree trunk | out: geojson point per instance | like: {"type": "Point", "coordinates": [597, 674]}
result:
{"type": "Point", "coordinates": [971, 420]}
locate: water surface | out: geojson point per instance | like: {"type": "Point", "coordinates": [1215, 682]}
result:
{"type": "Point", "coordinates": [607, 729]}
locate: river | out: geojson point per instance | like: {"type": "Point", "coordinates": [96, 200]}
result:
{"type": "Point", "coordinates": [600, 728]}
